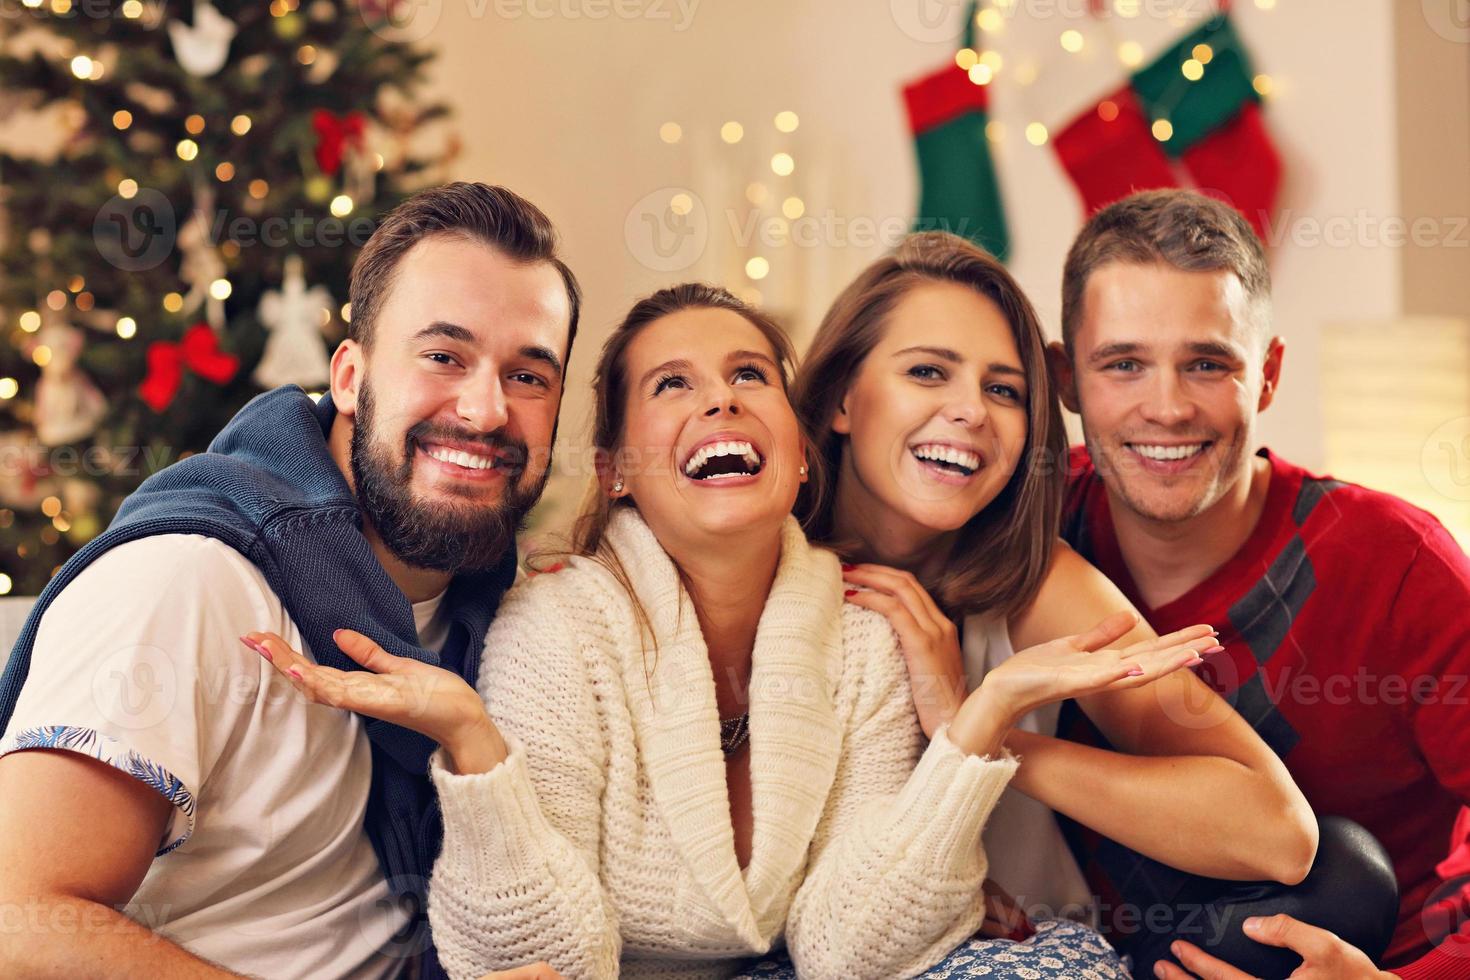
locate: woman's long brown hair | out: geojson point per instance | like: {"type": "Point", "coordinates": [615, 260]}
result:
{"type": "Point", "coordinates": [1001, 555]}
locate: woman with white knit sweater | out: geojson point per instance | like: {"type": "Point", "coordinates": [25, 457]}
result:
{"type": "Point", "coordinates": [686, 747]}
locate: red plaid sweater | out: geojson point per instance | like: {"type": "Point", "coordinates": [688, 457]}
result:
{"type": "Point", "coordinates": [1346, 624]}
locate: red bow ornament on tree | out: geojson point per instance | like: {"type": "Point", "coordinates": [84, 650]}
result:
{"type": "Point", "coordinates": [198, 351]}
{"type": "Point", "coordinates": [333, 135]}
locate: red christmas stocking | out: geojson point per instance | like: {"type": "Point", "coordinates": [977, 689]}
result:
{"type": "Point", "coordinates": [1109, 152]}
{"type": "Point", "coordinates": [1238, 164]}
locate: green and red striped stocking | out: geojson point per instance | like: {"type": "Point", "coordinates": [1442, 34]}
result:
{"type": "Point", "coordinates": [958, 187]}
{"type": "Point", "coordinates": [1162, 129]}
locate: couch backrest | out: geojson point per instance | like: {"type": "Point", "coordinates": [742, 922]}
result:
{"type": "Point", "coordinates": [13, 611]}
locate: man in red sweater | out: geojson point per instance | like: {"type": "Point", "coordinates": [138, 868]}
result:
{"type": "Point", "coordinates": [1345, 613]}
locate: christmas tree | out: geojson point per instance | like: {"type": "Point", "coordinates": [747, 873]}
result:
{"type": "Point", "coordinates": [189, 242]}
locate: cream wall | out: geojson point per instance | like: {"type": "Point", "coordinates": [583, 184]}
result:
{"type": "Point", "coordinates": [567, 109]}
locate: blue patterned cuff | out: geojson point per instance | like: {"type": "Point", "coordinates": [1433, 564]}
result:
{"type": "Point", "coordinates": [105, 748]}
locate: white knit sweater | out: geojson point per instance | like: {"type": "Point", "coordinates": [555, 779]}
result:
{"type": "Point", "coordinates": [604, 843]}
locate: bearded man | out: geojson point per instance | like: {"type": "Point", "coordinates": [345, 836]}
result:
{"type": "Point", "coordinates": [173, 808]}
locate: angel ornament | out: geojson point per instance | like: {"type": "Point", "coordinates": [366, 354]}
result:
{"type": "Point", "coordinates": [202, 264]}
{"type": "Point", "coordinates": [202, 49]}
{"type": "Point", "coordinates": [68, 406]}
{"type": "Point", "coordinates": [295, 352]}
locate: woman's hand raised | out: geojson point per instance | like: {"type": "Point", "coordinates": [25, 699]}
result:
{"type": "Point", "coordinates": [928, 639]}
{"type": "Point", "coordinates": [429, 700]}
{"type": "Point", "coordinates": [1072, 667]}
{"type": "Point", "coordinates": [1076, 666]}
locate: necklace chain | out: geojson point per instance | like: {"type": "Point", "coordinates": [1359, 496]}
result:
{"type": "Point", "coordinates": [734, 732]}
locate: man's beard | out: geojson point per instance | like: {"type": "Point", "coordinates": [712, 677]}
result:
{"type": "Point", "coordinates": [444, 537]}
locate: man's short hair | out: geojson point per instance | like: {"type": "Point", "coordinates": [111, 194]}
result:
{"type": "Point", "coordinates": [498, 217]}
{"type": "Point", "coordinates": [1184, 229]}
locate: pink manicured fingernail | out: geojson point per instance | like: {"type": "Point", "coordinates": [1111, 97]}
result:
{"type": "Point", "coordinates": [850, 592]}
{"type": "Point", "coordinates": [294, 672]}
{"type": "Point", "coordinates": [1136, 672]}
{"type": "Point", "coordinates": [1217, 648]}
{"type": "Point", "coordinates": [257, 647]}
{"type": "Point", "coordinates": [1194, 663]}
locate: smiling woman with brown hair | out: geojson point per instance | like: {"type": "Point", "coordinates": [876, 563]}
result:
{"type": "Point", "coordinates": [685, 746]}
{"type": "Point", "coordinates": [928, 387]}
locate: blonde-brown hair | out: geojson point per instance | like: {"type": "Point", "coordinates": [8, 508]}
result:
{"type": "Point", "coordinates": [1001, 555]}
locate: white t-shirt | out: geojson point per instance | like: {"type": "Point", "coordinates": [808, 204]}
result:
{"type": "Point", "coordinates": [265, 867]}
{"type": "Point", "coordinates": [1029, 857]}
{"type": "Point", "coordinates": [430, 621]}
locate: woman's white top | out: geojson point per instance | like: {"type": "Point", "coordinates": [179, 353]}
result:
{"type": "Point", "coordinates": [1028, 855]}
{"type": "Point", "coordinates": [603, 844]}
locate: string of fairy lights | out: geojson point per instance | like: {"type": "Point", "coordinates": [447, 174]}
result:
{"type": "Point", "coordinates": [782, 165]}
{"type": "Point", "coordinates": [984, 66]}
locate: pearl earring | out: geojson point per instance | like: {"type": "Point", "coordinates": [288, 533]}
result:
{"type": "Point", "coordinates": [802, 471]}
{"type": "Point", "coordinates": [618, 487]}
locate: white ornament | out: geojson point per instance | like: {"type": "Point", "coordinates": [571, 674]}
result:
{"type": "Point", "coordinates": [294, 352]}
{"type": "Point", "coordinates": [204, 48]}
{"type": "Point", "coordinates": [68, 405]}
{"type": "Point", "coordinates": [202, 263]}
{"type": "Point", "coordinates": [324, 65]}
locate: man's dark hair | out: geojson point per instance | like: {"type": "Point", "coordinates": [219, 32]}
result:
{"type": "Point", "coordinates": [498, 217]}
